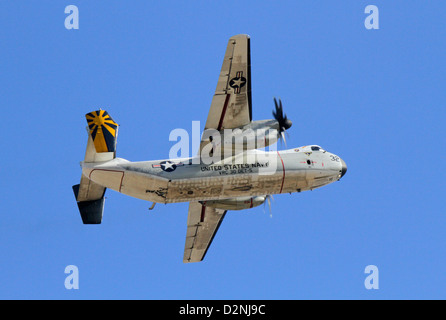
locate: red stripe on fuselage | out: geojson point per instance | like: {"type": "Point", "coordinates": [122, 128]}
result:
{"type": "Point", "coordinates": [283, 166]}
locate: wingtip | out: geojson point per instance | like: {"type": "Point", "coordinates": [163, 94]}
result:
{"type": "Point", "coordinates": [242, 35]}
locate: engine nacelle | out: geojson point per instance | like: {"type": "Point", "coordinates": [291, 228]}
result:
{"type": "Point", "coordinates": [256, 135]}
{"type": "Point", "coordinates": [239, 203]}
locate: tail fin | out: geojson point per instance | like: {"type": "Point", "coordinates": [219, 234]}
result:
{"type": "Point", "coordinates": [103, 130]}
{"type": "Point", "coordinates": [103, 133]}
{"type": "Point", "coordinates": [101, 146]}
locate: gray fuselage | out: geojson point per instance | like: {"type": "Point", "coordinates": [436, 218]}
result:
{"type": "Point", "coordinates": [253, 173]}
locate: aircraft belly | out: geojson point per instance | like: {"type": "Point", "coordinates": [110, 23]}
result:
{"type": "Point", "coordinates": [144, 186]}
{"type": "Point", "coordinates": [223, 187]}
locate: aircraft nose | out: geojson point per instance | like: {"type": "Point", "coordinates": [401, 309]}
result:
{"type": "Point", "coordinates": [344, 168]}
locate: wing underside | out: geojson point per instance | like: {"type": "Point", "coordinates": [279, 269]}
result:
{"type": "Point", "coordinates": [231, 105]}
{"type": "Point", "coordinates": [202, 225]}
{"type": "Point", "coordinates": [231, 108]}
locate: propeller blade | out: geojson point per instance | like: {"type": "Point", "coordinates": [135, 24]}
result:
{"type": "Point", "coordinates": [282, 133]}
{"type": "Point", "coordinates": [281, 118]}
{"type": "Point", "coordinates": [268, 200]}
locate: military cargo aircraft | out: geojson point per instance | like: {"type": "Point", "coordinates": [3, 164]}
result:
{"type": "Point", "coordinates": [214, 181]}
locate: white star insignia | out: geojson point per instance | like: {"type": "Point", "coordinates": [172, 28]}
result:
{"type": "Point", "coordinates": [237, 82]}
{"type": "Point", "coordinates": [167, 165]}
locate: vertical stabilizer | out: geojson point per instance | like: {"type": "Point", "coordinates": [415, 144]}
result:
{"type": "Point", "coordinates": [101, 146]}
{"type": "Point", "coordinates": [102, 137]}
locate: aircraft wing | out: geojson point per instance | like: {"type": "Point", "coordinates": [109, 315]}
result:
{"type": "Point", "coordinates": [231, 105]}
{"type": "Point", "coordinates": [231, 108]}
{"type": "Point", "coordinates": [202, 225]}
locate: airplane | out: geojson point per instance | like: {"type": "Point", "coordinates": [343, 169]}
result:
{"type": "Point", "coordinates": [215, 180]}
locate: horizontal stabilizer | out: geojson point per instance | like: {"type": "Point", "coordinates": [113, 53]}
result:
{"type": "Point", "coordinates": [91, 210]}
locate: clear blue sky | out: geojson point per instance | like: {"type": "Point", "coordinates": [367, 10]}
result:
{"type": "Point", "coordinates": [374, 97]}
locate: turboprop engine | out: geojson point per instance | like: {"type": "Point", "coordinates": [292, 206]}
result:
{"type": "Point", "coordinates": [255, 135]}
{"type": "Point", "coordinates": [235, 203]}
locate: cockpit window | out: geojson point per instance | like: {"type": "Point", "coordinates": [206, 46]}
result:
{"type": "Point", "coordinates": [315, 148]}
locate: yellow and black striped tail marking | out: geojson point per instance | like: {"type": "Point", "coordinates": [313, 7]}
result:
{"type": "Point", "coordinates": [103, 130]}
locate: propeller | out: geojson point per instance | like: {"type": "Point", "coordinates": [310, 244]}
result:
{"type": "Point", "coordinates": [284, 122]}
{"type": "Point", "coordinates": [268, 199]}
